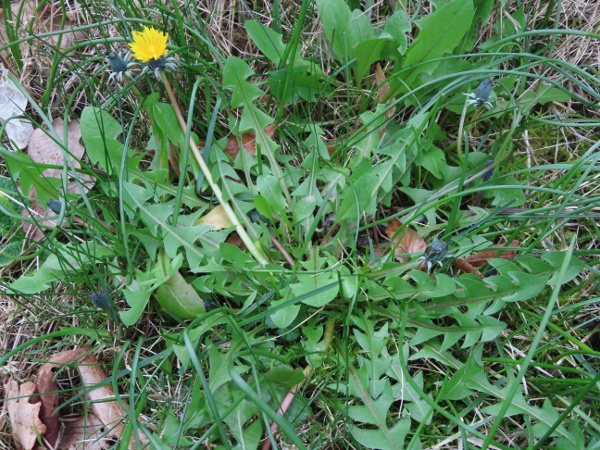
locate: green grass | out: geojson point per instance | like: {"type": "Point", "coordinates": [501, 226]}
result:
{"type": "Point", "coordinates": [302, 287]}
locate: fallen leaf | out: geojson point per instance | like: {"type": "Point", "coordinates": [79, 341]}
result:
{"type": "Point", "coordinates": [216, 217]}
{"type": "Point", "coordinates": [84, 433]}
{"type": "Point", "coordinates": [43, 149]}
{"type": "Point", "coordinates": [50, 396]}
{"type": "Point", "coordinates": [103, 405]}
{"type": "Point", "coordinates": [13, 104]}
{"type": "Point", "coordinates": [35, 231]}
{"type": "Point", "coordinates": [236, 240]}
{"type": "Point", "coordinates": [24, 415]}
{"type": "Point", "coordinates": [248, 142]}
{"type": "Point", "coordinates": [382, 93]}
{"type": "Point", "coordinates": [480, 258]}
{"type": "Point", "coordinates": [466, 267]}
{"type": "Point", "coordinates": [407, 241]}
{"type": "Point", "coordinates": [381, 83]}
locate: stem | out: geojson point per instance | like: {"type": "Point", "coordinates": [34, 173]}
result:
{"type": "Point", "coordinates": [460, 131]}
{"type": "Point", "coordinates": [217, 191]}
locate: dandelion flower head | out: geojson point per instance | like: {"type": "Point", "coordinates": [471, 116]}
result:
{"type": "Point", "coordinates": [120, 66]}
{"type": "Point", "coordinates": [149, 44]}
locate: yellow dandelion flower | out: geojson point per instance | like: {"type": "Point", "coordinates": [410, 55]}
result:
{"type": "Point", "coordinates": [149, 44]}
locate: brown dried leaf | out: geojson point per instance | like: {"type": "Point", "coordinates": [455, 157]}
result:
{"type": "Point", "coordinates": [49, 395]}
{"type": "Point", "coordinates": [36, 210]}
{"type": "Point", "coordinates": [480, 258]}
{"type": "Point", "coordinates": [407, 241]}
{"type": "Point", "coordinates": [464, 265]}
{"type": "Point", "coordinates": [107, 410]}
{"type": "Point", "coordinates": [84, 433]}
{"type": "Point", "coordinates": [248, 142]}
{"type": "Point", "coordinates": [24, 416]}
{"type": "Point", "coordinates": [382, 92]}
{"type": "Point", "coordinates": [236, 240]}
{"type": "Point", "coordinates": [381, 81]}
{"type": "Point", "coordinates": [45, 150]}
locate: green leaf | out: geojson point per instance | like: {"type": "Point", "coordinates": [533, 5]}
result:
{"type": "Point", "coordinates": [179, 299]}
{"type": "Point", "coordinates": [247, 435]}
{"type": "Point", "coordinates": [421, 198]}
{"type": "Point", "coordinates": [397, 26]}
{"type": "Point", "coordinates": [97, 123]}
{"type": "Point", "coordinates": [374, 412]}
{"type": "Point", "coordinates": [304, 209]}
{"type": "Point", "coordinates": [362, 30]}
{"type": "Point", "coordinates": [11, 251]}
{"type": "Point", "coordinates": [419, 408]}
{"type": "Point", "coordinates": [502, 195]}
{"type": "Point", "coordinates": [439, 33]}
{"type": "Point", "coordinates": [234, 254]}
{"type": "Point", "coordinates": [66, 260]}
{"type": "Point", "coordinates": [155, 218]}
{"type": "Point", "coordinates": [285, 376]}
{"type": "Point", "coordinates": [244, 94]}
{"type": "Point", "coordinates": [313, 343]}
{"type": "Point", "coordinates": [187, 237]}
{"type": "Point", "coordinates": [308, 283]}
{"type": "Point", "coordinates": [304, 82]}
{"type": "Point", "coordinates": [220, 362]}
{"type": "Point", "coordinates": [456, 387]}
{"type": "Point", "coordinates": [182, 351]}
{"type": "Point", "coordinates": [357, 198]}
{"type": "Point", "coordinates": [270, 189]}
{"type": "Point", "coordinates": [371, 341]}
{"type": "Point", "coordinates": [556, 259]}
{"type": "Point", "coordinates": [138, 292]}
{"type": "Point", "coordinates": [433, 159]}
{"type": "Point", "coordinates": [165, 118]}
{"type": "Point", "coordinates": [137, 300]}
{"type": "Point", "coordinates": [392, 438]}
{"type": "Point", "coordinates": [479, 382]}
{"type": "Point", "coordinates": [250, 435]}
{"type": "Point", "coordinates": [544, 94]}
{"type": "Point", "coordinates": [99, 131]}
{"type": "Point", "coordinates": [263, 207]}
{"type": "Point", "coordinates": [366, 53]}
{"type": "Point", "coordinates": [171, 429]}
{"type": "Point", "coordinates": [269, 42]}
{"type": "Point", "coordinates": [8, 192]}
{"type": "Point", "coordinates": [235, 73]}
{"type": "Point", "coordinates": [283, 317]}
{"type": "Point", "coordinates": [336, 19]}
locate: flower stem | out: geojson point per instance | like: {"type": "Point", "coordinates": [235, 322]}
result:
{"type": "Point", "coordinates": [252, 248]}
{"type": "Point", "coordinates": [460, 131]}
